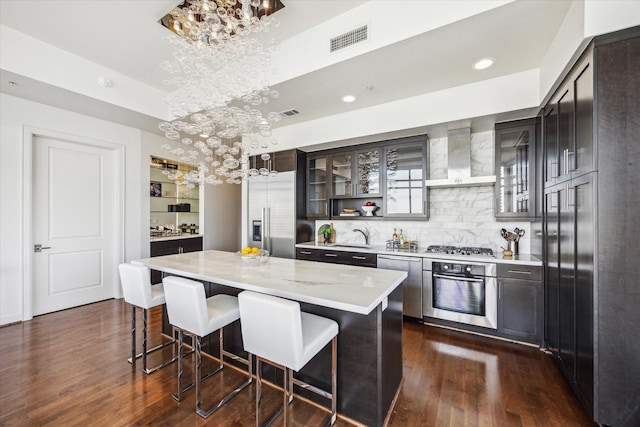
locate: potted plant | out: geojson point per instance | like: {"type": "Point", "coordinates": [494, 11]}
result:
{"type": "Point", "coordinates": [326, 230]}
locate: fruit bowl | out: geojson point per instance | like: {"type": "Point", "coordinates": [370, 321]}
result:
{"type": "Point", "coordinates": [369, 209]}
{"type": "Point", "coordinates": [253, 258]}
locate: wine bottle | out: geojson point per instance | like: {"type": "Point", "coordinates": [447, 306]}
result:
{"type": "Point", "coordinates": [395, 235]}
{"type": "Point", "coordinates": [401, 237]}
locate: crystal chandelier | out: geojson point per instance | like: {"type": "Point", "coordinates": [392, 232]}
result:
{"type": "Point", "coordinates": [219, 70]}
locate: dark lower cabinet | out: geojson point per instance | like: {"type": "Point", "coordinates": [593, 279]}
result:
{"type": "Point", "coordinates": [551, 272]}
{"type": "Point", "coordinates": [363, 259]}
{"type": "Point", "coordinates": [520, 302]}
{"type": "Point", "coordinates": [583, 193]}
{"type": "Point", "coordinates": [171, 247]}
{"type": "Point", "coordinates": [566, 291]}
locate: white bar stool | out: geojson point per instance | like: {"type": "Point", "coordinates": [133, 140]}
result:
{"type": "Point", "coordinates": [277, 332]}
{"type": "Point", "coordinates": [192, 312]}
{"type": "Point", "coordinates": [139, 292]}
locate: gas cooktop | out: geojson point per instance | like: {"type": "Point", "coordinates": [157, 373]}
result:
{"type": "Point", "coordinates": [455, 250]}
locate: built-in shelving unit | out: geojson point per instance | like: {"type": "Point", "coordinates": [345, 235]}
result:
{"type": "Point", "coordinates": [173, 205]}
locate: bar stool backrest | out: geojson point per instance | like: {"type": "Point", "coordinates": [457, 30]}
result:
{"type": "Point", "coordinates": [187, 305]}
{"type": "Point", "coordinates": [271, 328]}
{"type": "Point", "coordinates": [136, 285]}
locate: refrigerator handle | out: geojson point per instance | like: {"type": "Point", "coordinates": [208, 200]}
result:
{"type": "Point", "coordinates": [266, 230]}
{"type": "Point", "coordinates": [264, 224]}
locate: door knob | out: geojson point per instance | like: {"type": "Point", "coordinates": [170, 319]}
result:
{"type": "Point", "coordinates": [38, 247]}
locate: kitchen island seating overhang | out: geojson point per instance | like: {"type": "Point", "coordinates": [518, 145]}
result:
{"type": "Point", "coordinates": [366, 303]}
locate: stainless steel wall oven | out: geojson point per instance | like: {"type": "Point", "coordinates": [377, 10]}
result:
{"type": "Point", "coordinates": [460, 291]}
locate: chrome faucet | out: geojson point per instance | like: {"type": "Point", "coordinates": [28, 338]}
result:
{"type": "Point", "coordinates": [365, 233]}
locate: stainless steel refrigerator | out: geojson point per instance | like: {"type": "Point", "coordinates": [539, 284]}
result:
{"type": "Point", "coordinates": [272, 213]}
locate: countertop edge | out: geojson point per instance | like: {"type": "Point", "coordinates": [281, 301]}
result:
{"type": "Point", "coordinates": [166, 238]}
{"type": "Point", "coordinates": [344, 306]}
{"type": "Point", "coordinates": [522, 259]}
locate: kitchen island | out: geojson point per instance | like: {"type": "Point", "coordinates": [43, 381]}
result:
{"type": "Point", "coordinates": [366, 303]}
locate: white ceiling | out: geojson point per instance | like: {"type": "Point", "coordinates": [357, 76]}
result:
{"type": "Point", "coordinates": [124, 36]}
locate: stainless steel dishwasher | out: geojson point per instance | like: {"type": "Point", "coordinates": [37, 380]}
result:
{"type": "Point", "coordinates": [412, 287]}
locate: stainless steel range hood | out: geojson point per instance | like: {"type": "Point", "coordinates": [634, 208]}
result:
{"type": "Point", "coordinates": [459, 163]}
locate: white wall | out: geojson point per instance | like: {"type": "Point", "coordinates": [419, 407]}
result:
{"type": "Point", "coordinates": [517, 91]}
{"type": "Point", "coordinates": [223, 209]}
{"type": "Point", "coordinates": [585, 19]}
{"type": "Point", "coordinates": [605, 16]}
{"type": "Point", "coordinates": [15, 115]}
{"type": "Point", "coordinates": [60, 68]}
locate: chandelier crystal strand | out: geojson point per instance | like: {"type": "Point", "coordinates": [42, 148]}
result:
{"type": "Point", "coordinates": [217, 68]}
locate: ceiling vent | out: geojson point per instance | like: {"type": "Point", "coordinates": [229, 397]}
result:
{"type": "Point", "coordinates": [289, 113]}
{"type": "Point", "coordinates": [349, 38]}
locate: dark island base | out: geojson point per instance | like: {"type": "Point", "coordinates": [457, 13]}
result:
{"type": "Point", "coordinates": [369, 357]}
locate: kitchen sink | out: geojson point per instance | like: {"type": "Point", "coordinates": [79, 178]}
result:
{"type": "Point", "coordinates": [350, 245]}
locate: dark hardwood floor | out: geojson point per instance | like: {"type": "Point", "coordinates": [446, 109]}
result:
{"type": "Point", "coordinates": [69, 369]}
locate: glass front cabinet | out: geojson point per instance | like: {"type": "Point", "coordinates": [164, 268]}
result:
{"type": "Point", "coordinates": [389, 174]}
{"type": "Point", "coordinates": [368, 172]}
{"type": "Point", "coordinates": [342, 182]}
{"type": "Point", "coordinates": [317, 187]}
{"type": "Point", "coordinates": [405, 194]}
{"type": "Point", "coordinates": [515, 145]}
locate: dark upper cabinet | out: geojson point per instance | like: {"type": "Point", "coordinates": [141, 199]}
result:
{"type": "Point", "coordinates": [515, 189]}
{"type": "Point", "coordinates": [405, 169]}
{"type": "Point", "coordinates": [568, 126]}
{"type": "Point", "coordinates": [390, 174]}
{"type": "Point", "coordinates": [550, 147]}
{"type": "Point", "coordinates": [318, 190]}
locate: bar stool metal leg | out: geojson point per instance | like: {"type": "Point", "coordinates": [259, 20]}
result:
{"type": "Point", "coordinates": [133, 335]}
{"type": "Point", "coordinates": [334, 379]}
{"type": "Point", "coordinates": [205, 413]}
{"type": "Point", "coordinates": [146, 351]}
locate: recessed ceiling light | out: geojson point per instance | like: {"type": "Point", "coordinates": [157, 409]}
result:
{"type": "Point", "coordinates": [483, 63]}
{"type": "Point", "coordinates": [348, 98]}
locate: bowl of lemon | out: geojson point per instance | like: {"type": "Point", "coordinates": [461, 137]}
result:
{"type": "Point", "coordinates": [253, 255]}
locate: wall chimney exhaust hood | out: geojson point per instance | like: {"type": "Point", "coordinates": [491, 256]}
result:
{"type": "Point", "coordinates": [459, 163]}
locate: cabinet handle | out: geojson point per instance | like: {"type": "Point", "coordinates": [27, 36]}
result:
{"type": "Point", "coordinates": [331, 255]}
{"type": "Point", "coordinates": [571, 168]}
{"type": "Point", "coordinates": [305, 252]}
{"type": "Point", "coordinates": [499, 290]}
{"type": "Point", "coordinates": [358, 257]}
{"type": "Point", "coordinates": [519, 271]}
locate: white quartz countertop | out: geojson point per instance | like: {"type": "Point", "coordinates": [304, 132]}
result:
{"type": "Point", "coordinates": [342, 287]}
{"type": "Point", "coordinates": [521, 259]}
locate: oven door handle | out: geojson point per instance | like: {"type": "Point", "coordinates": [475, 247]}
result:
{"type": "Point", "coordinates": [464, 279]}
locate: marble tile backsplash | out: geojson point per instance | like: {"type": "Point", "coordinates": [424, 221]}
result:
{"type": "Point", "coordinates": [459, 216]}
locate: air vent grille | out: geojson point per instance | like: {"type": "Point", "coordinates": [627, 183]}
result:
{"type": "Point", "coordinates": [290, 113]}
{"type": "Point", "coordinates": [349, 38]}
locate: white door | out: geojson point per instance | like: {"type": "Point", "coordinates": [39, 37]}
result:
{"type": "Point", "coordinates": [74, 195]}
